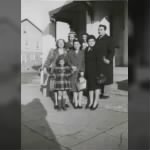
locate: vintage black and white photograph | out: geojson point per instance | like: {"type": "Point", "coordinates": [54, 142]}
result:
{"type": "Point", "coordinates": [74, 74]}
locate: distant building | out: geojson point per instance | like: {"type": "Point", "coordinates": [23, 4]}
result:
{"type": "Point", "coordinates": [85, 16]}
{"type": "Point", "coordinates": [31, 45]}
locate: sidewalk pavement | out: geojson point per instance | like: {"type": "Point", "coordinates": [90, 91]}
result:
{"type": "Point", "coordinates": [44, 128]}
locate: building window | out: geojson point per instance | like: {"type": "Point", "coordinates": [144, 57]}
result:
{"type": "Point", "coordinates": [40, 56]}
{"type": "Point", "coordinates": [32, 57]}
{"type": "Point", "coordinates": [37, 45]}
{"type": "Point", "coordinates": [24, 31]}
{"type": "Point", "coordinates": [23, 59]}
{"type": "Point", "coordinates": [26, 44]}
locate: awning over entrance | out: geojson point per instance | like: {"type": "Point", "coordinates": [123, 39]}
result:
{"type": "Point", "coordinates": [57, 10]}
{"type": "Point", "coordinates": [74, 13]}
{"type": "Point", "coordinates": [64, 13]}
{"type": "Point", "coordinates": [67, 11]}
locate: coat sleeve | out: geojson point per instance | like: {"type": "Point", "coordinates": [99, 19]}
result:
{"type": "Point", "coordinates": [83, 63]}
{"type": "Point", "coordinates": [69, 59]}
{"type": "Point", "coordinates": [49, 59]}
{"type": "Point", "coordinates": [69, 71]}
{"type": "Point", "coordinates": [110, 50]}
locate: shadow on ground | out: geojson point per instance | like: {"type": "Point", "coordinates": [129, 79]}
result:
{"type": "Point", "coordinates": [123, 85]}
{"type": "Point", "coordinates": [36, 133]}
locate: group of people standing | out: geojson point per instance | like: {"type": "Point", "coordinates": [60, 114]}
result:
{"type": "Point", "coordinates": [87, 58]}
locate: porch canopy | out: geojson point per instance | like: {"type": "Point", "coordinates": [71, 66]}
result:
{"type": "Point", "coordinates": [69, 10]}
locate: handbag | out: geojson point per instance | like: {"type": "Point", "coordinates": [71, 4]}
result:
{"type": "Point", "coordinates": [101, 79]}
{"type": "Point", "coordinates": [81, 84]}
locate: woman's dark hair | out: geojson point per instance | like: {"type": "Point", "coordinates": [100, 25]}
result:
{"type": "Point", "coordinates": [85, 34]}
{"type": "Point", "coordinates": [104, 26]}
{"type": "Point", "coordinates": [91, 37]}
{"type": "Point", "coordinates": [60, 40]}
{"type": "Point", "coordinates": [59, 59]}
{"type": "Point", "coordinates": [82, 35]}
{"type": "Point", "coordinates": [73, 33]}
{"type": "Point", "coordinates": [76, 40]}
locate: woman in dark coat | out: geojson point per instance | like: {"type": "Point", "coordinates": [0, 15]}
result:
{"type": "Point", "coordinates": [91, 73]}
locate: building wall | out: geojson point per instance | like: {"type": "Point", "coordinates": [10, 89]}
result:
{"type": "Point", "coordinates": [31, 46]}
{"type": "Point", "coordinates": [62, 30]}
{"type": "Point", "coordinates": [29, 59]}
{"type": "Point", "coordinates": [31, 38]}
{"type": "Point", "coordinates": [38, 12]}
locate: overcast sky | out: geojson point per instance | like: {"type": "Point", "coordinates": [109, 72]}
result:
{"type": "Point", "coordinates": [37, 10]}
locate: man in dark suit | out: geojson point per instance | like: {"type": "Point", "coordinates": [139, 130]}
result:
{"type": "Point", "coordinates": [104, 54]}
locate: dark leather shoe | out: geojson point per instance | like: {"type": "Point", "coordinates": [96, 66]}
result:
{"type": "Point", "coordinates": [104, 97]}
{"type": "Point", "coordinates": [64, 104]}
{"type": "Point", "coordinates": [94, 108]}
{"type": "Point", "coordinates": [67, 105]}
{"type": "Point", "coordinates": [80, 107]}
{"type": "Point", "coordinates": [55, 106]}
{"type": "Point", "coordinates": [87, 106]}
{"type": "Point", "coordinates": [64, 108]}
{"type": "Point", "coordinates": [75, 107]}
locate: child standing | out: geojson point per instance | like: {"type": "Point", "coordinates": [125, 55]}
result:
{"type": "Point", "coordinates": [62, 73]}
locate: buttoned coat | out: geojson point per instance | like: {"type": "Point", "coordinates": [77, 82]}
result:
{"type": "Point", "coordinates": [78, 61]}
{"type": "Point", "coordinates": [104, 48]}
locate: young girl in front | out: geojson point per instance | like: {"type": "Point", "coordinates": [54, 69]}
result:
{"type": "Point", "coordinates": [62, 73]}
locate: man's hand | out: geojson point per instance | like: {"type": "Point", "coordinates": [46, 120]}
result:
{"type": "Point", "coordinates": [106, 61]}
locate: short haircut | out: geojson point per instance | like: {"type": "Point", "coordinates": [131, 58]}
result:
{"type": "Point", "coordinates": [60, 40]}
{"type": "Point", "coordinates": [76, 40]}
{"type": "Point", "coordinates": [85, 34]}
{"type": "Point", "coordinates": [59, 59]}
{"type": "Point", "coordinates": [104, 26]}
{"type": "Point", "coordinates": [91, 37]}
{"type": "Point", "coordinates": [72, 33]}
